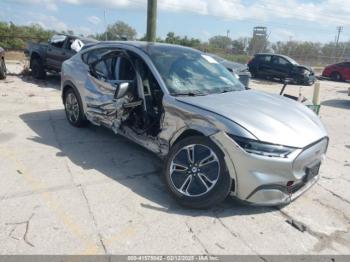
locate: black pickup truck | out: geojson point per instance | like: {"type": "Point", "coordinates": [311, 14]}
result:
{"type": "Point", "coordinates": [49, 56]}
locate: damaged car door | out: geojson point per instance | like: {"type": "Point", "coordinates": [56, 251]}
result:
{"type": "Point", "coordinates": [110, 88]}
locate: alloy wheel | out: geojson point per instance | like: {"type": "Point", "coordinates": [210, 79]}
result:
{"type": "Point", "coordinates": [194, 170]}
{"type": "Point", "coordinates": [72, 107]}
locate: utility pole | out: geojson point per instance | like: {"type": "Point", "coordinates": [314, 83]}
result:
{"type": "Point", "coordinates": [339, 30]}
{"type": "Point", "coordinates": [105, 23]}
{"type": "Point", "coordinates": [151, 20]}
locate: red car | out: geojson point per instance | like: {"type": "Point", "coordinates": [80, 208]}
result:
{"type": "Point", "coordinates": [338, 72]}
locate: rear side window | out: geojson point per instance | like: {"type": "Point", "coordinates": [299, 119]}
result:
{"type": "Point", "coordinates": [279, 61]}
{"type": "Point", "coordinates": [345, 64]}
{"type": "Point", "coordinates": [264, 58]}
{"type": "Point", "coordinates": [58, 40]}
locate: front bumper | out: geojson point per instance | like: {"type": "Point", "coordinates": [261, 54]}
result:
{"type": "Point", "coordinates": [244, 78]}
{"type": "Point", "coordinates": [308, 80]}
{"type": "Point", "coordinates": [261, 180]}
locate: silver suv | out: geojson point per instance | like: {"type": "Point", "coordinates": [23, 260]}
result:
{"type": "Point", "coordinates": [215, 137]}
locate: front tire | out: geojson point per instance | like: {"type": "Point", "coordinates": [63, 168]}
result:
{"type": "Point", "coordinates": [196, 173]}
{"type": "Point", "coordinates": [37, 67]}
{"type": "Point", "coordinates": [2, 69]}
{"type": "Point", "coordinates": [336, 76]}
{"type": "Point", "coordinates": [74, 109]}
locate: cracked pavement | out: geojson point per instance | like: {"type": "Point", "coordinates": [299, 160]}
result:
{"type": "Point", "coordinates": [87, 191]}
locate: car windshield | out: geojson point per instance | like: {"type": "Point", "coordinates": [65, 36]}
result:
{"type": "Point", "coordinates": [293, 61]}
{"type": "Point", "coordinates": [190, 72]}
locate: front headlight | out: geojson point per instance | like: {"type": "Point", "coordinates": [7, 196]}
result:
{"type": "Point", "coordinates": [306, 72]}
{"type": "Point", "coordinates": [262, 148]}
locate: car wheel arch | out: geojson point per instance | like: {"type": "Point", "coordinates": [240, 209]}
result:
{"type": "Point", "coordinates": [184, 134]}
{"type": "Point", "coordinates": [35, 55]}
{"type": "Point", "coordinates": [336, 74]}
{"type": "Point", "coordinates": [67, 85]}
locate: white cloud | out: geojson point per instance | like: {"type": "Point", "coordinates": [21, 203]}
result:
{"type": "Point", "coordinates": [281, 34]}
{"type": "Point", "coordinates": [94, 20]}
{"type": "Point", "coordinates": [47, 21]}
{"type": "Point", "coordinates": [107, 3]}
{"type": "Point", "coordinates": [333, 12]}
{"type": "Point", "coordinates": [48, 4]}
{"type": "Point", "coordinates": [327, 11]}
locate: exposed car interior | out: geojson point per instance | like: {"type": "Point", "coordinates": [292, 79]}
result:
{"type": "Point", "coordinates": [142, 110]}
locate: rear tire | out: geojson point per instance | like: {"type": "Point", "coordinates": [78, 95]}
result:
{"type": "Point", "coordinates": [74, 109]}
{"type": "Point", "coordinates": [196, 173]}
{"type": "Point", "coordinates": [254, 74]}
{"type": "Point", "coordinates": [2, 69]}
{"type": "Point", "coordinates": [37, 67]}
{"type": "Point", "coordinates": [336, 76]}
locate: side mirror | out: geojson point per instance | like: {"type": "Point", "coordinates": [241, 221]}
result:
{"type": "Point", "coordinates": [122, 89]}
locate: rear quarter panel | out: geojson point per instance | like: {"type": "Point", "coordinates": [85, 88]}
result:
{"type": "Point", "coordinates": [74, 73]}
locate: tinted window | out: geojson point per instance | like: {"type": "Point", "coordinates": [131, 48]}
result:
{"type": "Point", "coordinates": [280, 60]}
{"type": "Point", "coordinates": [58, 40]}
{"type": "Point", "coordinates": [264, 58]}
{"type": "Point", "coordinates": [345, 64]}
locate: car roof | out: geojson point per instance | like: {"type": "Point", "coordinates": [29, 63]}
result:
{"type": "Point", "coordinates": [271, 54]}
{"type": "Point", "coordinates": [143, 45]}
{"type": "Point", "coordinates": [82, 38]}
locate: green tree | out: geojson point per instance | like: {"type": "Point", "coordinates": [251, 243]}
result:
{"type": "Point", "coordinates": [15, 37]}
{"type": "Point", "coordinates": [219, 41]}
{"type": "Point", "coordinates": [240, 45]}
{"type": "Point", "coordinates": [171, 38]}
{"type": "Point", "coordinates": [118, 31]}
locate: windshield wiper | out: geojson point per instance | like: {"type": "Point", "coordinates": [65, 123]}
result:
{"type": "Point", "coordinates": [190, 94]}
{"type": "Point", "coordinates": [226, 91]}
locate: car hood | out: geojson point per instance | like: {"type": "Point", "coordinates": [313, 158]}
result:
{"type": "Point", "coordinates": [234, 66]}
{"type": "Point", "coordinates": [305, 67]}
{"type": "Point", "coordinates": [270, 118]}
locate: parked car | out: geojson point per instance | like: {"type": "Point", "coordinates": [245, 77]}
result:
{"type": "Point", "coordinates": [280, 67]}
{"type": "Point", "coordinates": [212, 134]}
{"type": "Point", "coordinates": [49, 56]}
{"type": "Point", "coordinates": [2, 64]}
{"type": "Point", "coordinates": [239, 70]}
{"type": "Point", "coordinates": [338, 72]}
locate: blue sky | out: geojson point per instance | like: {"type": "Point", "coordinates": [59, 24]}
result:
{"type": "Point", "coordinates": [308, 20]}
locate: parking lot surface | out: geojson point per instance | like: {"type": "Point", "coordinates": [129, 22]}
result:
{"type": "Point", "coordinates": [87, 191]}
